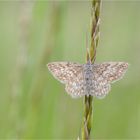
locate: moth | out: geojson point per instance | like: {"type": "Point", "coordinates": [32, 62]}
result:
{"type": "Point", "coordinates": [87, 79]}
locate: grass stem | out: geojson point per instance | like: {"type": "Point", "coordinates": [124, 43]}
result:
{"type": "Point", "coordinates": [88, 100]}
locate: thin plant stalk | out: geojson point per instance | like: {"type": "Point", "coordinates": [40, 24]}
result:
{"type": "Point", "coordinates": [95, 21]}
{"type": "Point", "coordinates": [20, 67]}
{"type": "Point", "coordinates": [39, 81]}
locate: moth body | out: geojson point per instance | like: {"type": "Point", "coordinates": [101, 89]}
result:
{"type": "Point", "coordinates": [88, 76]}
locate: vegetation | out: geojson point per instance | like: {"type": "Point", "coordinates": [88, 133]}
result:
{"type": "Point", "coordinates": [32, 103]}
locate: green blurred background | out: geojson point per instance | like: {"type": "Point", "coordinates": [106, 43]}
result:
{"type": "Point", "coordinates": [33, 104]}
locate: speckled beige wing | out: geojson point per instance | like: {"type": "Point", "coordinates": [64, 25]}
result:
{"type": "Point", "coordinates": [64, 71]}
{"type": "Point", "coordinates": [75, 87]}
{"type": "Point", "coordinates": [70, 74]}
{"type": "Point", "coordinates": [111, 71]}
{"type": "Point", "coordinates": [106, 73]}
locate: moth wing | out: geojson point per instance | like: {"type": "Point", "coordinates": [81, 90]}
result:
{"type": "Point", "coordinates": [111, 71]}
{"type": "Point", "coordinates": [75, 87]}
{"type": "Point", "coordinates": [100, 87]}
{"type": "Point", "coordinates": [106, 73]}
{"type": "Point", "coordinates": [64, 71]}
{"type": "Point", "coordinates": [70, 74]}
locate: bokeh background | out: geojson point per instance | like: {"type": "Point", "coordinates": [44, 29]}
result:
{"type": "Point", "coordinates": [33, 105]}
